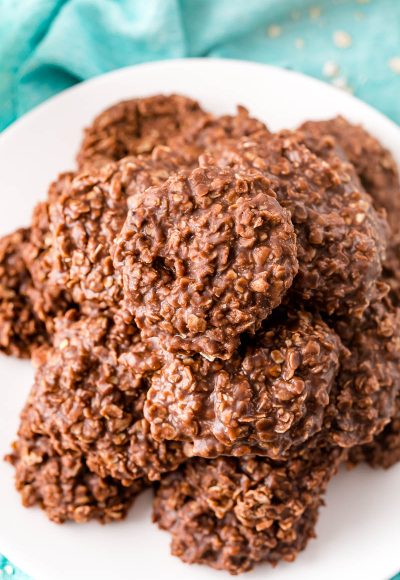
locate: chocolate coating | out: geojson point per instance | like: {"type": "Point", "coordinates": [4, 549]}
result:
{"type": "Point", "coordinates": [21, 331]}
{"type": "Point", "coordinates": [48, 301]}
{"type": "Point", "coordinates": [85, 220]}
{"type": "Point", "coordinates": [372, 161]}
{"type": "Point", "coordinates": [340, 237]}
{"type": "Point", "coordinates": [369, 379]}
{"type": "Point", "coordinates": [205, 257]}
{"type": "Point", "coordinates": [63, 486]}
{"type": "Point", "coordinates": [384, 451]}
{"type": "Point", "coordinates": [378, 173]}
{"type": "Point", "coordinates": [136, 127]}
{"type": "Point", "coordinates": [233, 513]}
{"type": "Point", "coordinates": [205, 132]}
{"type": "Point", "coordinates": [89, 402]}
{"type": "Point", "coordinates": [266, 399]}
{"type": "Point", "coordinates": [391, 267]}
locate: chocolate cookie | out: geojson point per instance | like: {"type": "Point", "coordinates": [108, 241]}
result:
{"type": "Point", "coordinates": [204, 257]}
{"type": "Point", "coordinates": [48, 301]}
{"type": "Point", "coordinates": [136, 127]}
{"type": "Point", "coordinates": [369, 379]}
{"type": "Point", "coordinates": [21, 331]}
{"type": "Point", "coordinates": [372, 161]}
{"type": "Point", "coordinates": [207, 130]}
{"type": "Point", "coordinates": [87, 217]}
{"type": "Point", "coordinates": [232, 513]}
{"type": "Point", "coordinates": [384, 451]}
{"type": "Point", "coordinates": [270, 397]}
{"type": "Point", "coordinates": [340, 237]}
{"type": "Point", "coordinates": [89, 402]}
{"type": "Point", "coordinates": [63, 486]}
{"type": "Point", "coordinates": [378, 173]}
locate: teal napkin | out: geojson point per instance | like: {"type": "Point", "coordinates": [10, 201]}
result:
{"type": "Point", "coordinates": [9, 572]}
{"type": "Point", "coordinates": [49, 45]}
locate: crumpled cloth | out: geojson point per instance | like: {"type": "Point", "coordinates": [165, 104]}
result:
{"type": "Point", "coordinates": [9, 572]}
{"type": "Point", "coordinates": [49, 45]}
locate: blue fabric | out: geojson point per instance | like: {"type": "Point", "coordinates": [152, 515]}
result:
{"type": "Point", "coordinates": [10, 572]}
{"type": "Point", "coordinates": [49, 45]}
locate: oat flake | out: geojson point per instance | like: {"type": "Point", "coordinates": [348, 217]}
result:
{"type": "Point", "coordinates": [315, 12]}
{"type": "Point", "coordinates": [342, 39]}
{"type": "Point", "coordinates": [394, 64]}
{"type": "Point", "coordinates": [330, 69]}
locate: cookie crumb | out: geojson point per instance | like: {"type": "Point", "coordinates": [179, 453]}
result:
{"type": "Point", "coordinates": [341, 83]}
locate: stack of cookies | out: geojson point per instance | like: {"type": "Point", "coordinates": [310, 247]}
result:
{"type": "Point", "coordinates": [212, 310]}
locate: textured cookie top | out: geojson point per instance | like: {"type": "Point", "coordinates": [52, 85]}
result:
{"type": "Point", "coordinates": [86, 400]}
{"type": "Point", "coordinates": [63, 485]}
{"type": "Point", "coordinates": [378, 173]}
{"type": "Point", "coordinates": [21, 331]}
{"type": "Point", "coordinates": [340, 237]}
{"type": "Point", "coordinates": [384, 451]}
{"type": "Point", "coordinates": [232, 513]}
{"type": "Point", "coordinates": [204, 132]}
{"type": "Point", "coordinates": [373, 163]}
{"type": "Point", "coordinates": [205, 257]}
{"type": "Point", "coordinates": [86, 218]}
{"type": "Point", "coordinates": [369, 379]}
{"type": "Point", "coordinates": [136, 127]}
{"type": "Point", "coordinates": [269, 397]}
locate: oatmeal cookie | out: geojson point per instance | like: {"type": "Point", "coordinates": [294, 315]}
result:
{"type": "Point", "coordinates": [21, 331]}
{"type": "Point", "coordinates": [231, 513]}
{"type": "Point", "coordinates": [205, 257]}
{"type": "Point", "coordinates": [340, 237]}
{"type": "Point", "coordinates": [88, 401]}
{"type": "Point", "coordinates": [63, 486]}
{"type": "Point", "coordinates": [271, 396]}
{"type": "Point", "coordinates": [136, 127]}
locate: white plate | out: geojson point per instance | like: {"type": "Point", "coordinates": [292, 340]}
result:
{"type": "Point", "coordinates": [359, 531]}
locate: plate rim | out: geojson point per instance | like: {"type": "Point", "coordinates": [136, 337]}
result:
{"type": "Point", "coordinates": [195, 60]}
